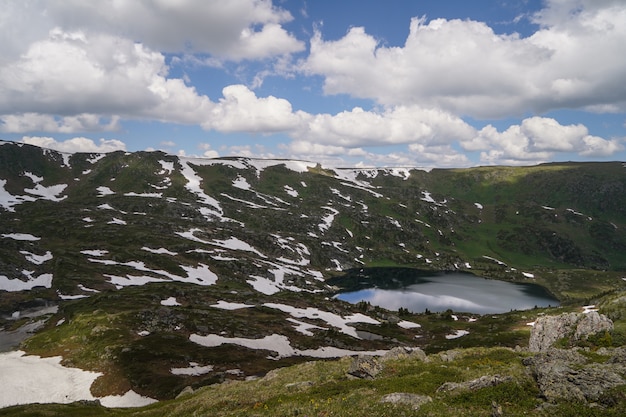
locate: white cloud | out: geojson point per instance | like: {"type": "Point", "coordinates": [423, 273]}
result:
{"type": "Point", "coordinates": [30, 122]}
{"type": "Point", "coordinates": [465, 68]}
{"type": "Point", "coordinates": [233, 29]}
{"type": "Point", "coordinates": [79, 77]}
{"type": "Point", "coordinates": [399, 125]}
{"type": "Point", "coordinates": [242, 111]}
{"type": "Point", "coordinates": [76, 144]}
{"type": "Point", "coordinates": [208, 152]}
{"type": "Point", "coordinates": [537, 139]}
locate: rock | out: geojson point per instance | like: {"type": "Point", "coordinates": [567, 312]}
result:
{"type": "Point", "coordinates": [566, 375]}
{"type": "Point", "coordinates": [592, 323]}
{"type": "Point", "coordinates": [365, 367]}
{"type": "Point", "coordinates": [396, 353]}
{"type": "Point", "coordinates": [548, 329]}
{"type": "Point", "coordinates": [414, 400]}
{"type": "Point", "coordinates": [449, 355]}
{"type": "Point", "coordinates": [496, 409]}
{"type": "Point", "coordinates": [186, 391]}
{"type": "Point", "coordinates": [419, 354]}
{"type": "Point", "coordinates": [475, 384]}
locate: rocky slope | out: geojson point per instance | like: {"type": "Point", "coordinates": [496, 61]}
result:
{"type": "Point", "coordinates": [148, 267]}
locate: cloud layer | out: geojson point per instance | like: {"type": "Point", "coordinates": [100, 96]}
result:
{"type": "Point", "coordinates": [70, 67]}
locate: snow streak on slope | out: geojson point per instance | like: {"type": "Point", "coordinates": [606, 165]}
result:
{"type": "Point", "coordinates": [280, 345]}
{"type": "Point", "coordinates": [193, 185]}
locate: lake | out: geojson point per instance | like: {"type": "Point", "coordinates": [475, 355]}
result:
{"type": "Point", "coordinates": [417, 291]}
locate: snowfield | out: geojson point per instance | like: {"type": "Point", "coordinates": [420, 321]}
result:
{"type": "Point", "coordinates": [32, 379]}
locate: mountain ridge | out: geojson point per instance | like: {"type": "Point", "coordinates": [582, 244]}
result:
{"type": "Point", "coordinates": [154, 261]}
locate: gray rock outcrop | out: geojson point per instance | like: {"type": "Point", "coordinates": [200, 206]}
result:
{"type": "Point", "coordinates": [565, 374]}
{"type": "Point", "coordinates": [548, 329]}
{"type": "Point", "coordinates": [365, 367]}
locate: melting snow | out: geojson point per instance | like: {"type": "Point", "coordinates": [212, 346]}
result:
{"type": "Point", "coordinates": [171, 301]}
{"type": "Point", "coordinates": [290, 191]}
{"type": "Point", "coordinates": [302, 327]}
{"type": "Point", "coordinates": [194, 369]}
{"type": "Point", "coordinates": [494, 259]}
{"type": "Point", "coordinates": [589, 309]}
{"type": "Point", "coordinates": [279, 344]}
{"type": "Point", "coordinates": [224, 305]}
{"type": "Point", "coordinates": [117, 221]}
{"type": "Point", "coordinates": [32, 379]}
{"type": "Point", "coordinates": [528, 275]}
{"type": "Point", "coordinates": [236, 244]}
{"type": "Point", "coordinates": [94, 252]}
{"type": "Point", "coordinates": [37, 259]}
{"type": "Point", "coordinates": [327, 221]}
{"type": "Point", "coordinates": [263, 285]}
{"type": "Point", "coordinates": [150, 195]}
{"type": "Point", "coordinates": [241, 183]}
{"type": "Point", "coordinates": [478, 206]}
{"type": "Point", "coordinates": [193, 185]}
{"type": "Point", "coordinates": [13, 285]}
{"type": "Point", "coordinates": [7, 200]}
{"type": "Point", "coordinates": [457, 334]}
{"type": "Point", "coordinates": [96, 157]}
{"type": "Point", "coordinates": [104, 191]}
{"type": "Point", "coordinates": [159, 251]}
{"type": "Point", "coordinates": [21, 236]}
{"type": "Point", "coordinates": [331, 318]}
{"type": "Point", "coordinates": [168, 167]}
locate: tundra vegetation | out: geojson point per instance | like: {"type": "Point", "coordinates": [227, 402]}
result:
{"type": "Point", "coordinates": [151, 266]}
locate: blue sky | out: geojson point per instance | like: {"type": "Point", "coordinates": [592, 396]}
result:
{"type": "Point", "coordinates": [450, 83]}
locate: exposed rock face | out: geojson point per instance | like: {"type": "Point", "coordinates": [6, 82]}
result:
{"type": "Point", "coordinates": [414, 400]}
{"type": "Point", "coordinates": [568, 375]}
{"type": "Point", "coordinates": [365, 367]}
{"type": "Point", "coordinates": [475, 384]}
{"type": "Point", "coordinates": [549, 329]}
{"type": "Point", "coordinates": [404, 353]}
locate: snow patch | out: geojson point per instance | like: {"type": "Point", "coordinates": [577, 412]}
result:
{"type": "Point", "coordinates": [104, 191]}
{"type": "Point", "coordinates": [159, 251]}
{"type": "Point", "coordinates": [194, 369]}
{"type": "Point", "coordinates": [224, 305]}
{"type": "Point", "coordinates": [171, 301]}
{"type": "Point", "coordinates": [457, 334]}
{"type": "Point", "coordinates": [21, 236]}
{"type": "Point", "coordinates": [37, 259]}
{"type": "Point", "coordinates": [33, 379]}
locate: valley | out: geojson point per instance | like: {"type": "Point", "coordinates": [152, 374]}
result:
{"type": "Point", "coordinates": [157, 272]}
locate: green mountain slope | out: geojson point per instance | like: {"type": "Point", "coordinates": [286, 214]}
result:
{"type": "Point", "coordinates": [149, 262]}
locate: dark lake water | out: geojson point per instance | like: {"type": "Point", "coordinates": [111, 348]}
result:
{"type": "Point", "coordinates": [461, 292]}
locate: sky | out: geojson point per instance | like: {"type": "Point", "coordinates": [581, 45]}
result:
{"type": "Point", "coordinates": [350, 83]}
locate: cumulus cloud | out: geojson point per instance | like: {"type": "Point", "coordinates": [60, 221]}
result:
{"type": "Point", "coordinates": [537, 139]}
{"type": "Point", "coordinates": [234, 29]}
{"type": "Point", "coordinates": [74, 145]}
{"type": "Point", "coordinates": [240, 110]}
{"type": "Point", "coordinates": [466, 68]}
{"type": "Point", "coordinates": [30, 122]}
{"type": "Point", "coordinates": [398, 125]}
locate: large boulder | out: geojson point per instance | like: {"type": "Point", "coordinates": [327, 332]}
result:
{"type": "Point", "coordinates": [548, 329]}
{"type": "Point", "coordinates": [565, 374]}
{"type": "Point", "coordinates": [365, 367]}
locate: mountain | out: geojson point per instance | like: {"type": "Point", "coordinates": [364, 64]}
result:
{"type": "Point", "coordinates": [162, 272]}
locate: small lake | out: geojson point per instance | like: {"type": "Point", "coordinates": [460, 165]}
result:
{"type": "Point", "coordinates": [417, 291]}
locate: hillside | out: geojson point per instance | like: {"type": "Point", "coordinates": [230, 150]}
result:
{"type": "Point", "coordinates": [134, 265]}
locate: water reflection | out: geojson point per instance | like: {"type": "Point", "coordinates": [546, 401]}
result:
{"type": "Point", "coordinates": [456, 291]}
